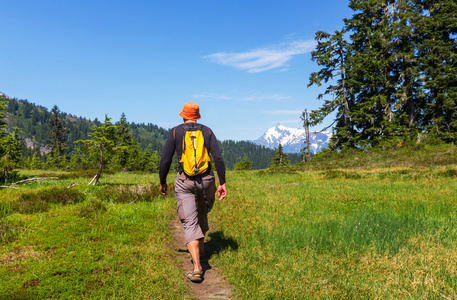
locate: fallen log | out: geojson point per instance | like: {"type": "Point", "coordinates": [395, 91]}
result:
{"type": "Point", "coordinates": [8, 187]}
{"type": "Point", "coordinates": [72, 185]}
{"type": "Point", "coordinates": [33, 179]}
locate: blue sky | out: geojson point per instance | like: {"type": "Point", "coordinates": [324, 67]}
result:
{"type": "Point", "coordinates": [246, 63]}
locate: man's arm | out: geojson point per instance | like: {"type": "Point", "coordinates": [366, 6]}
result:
{"type": "Point", "coordinates": [217, 157]}
{"type": "Point", "coordinates": [165, 161]}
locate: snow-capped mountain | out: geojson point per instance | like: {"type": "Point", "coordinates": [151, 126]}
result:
{"type": "Point", "coordinates": [292, 140]}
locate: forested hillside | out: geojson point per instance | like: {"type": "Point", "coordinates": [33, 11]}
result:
{"type": "Point", "coordinates": [33, 122]}
{"type": "Point", "coordinates": [259, 155]}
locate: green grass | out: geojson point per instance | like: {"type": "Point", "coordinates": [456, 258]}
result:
{"type": "Point", "coordinates": [330, 233]}
{"type": "Point", "coordinates": [356, 225]}
{"type": "Point", "coordinates": [91, 248]}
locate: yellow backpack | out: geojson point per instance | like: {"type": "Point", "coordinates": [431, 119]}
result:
{"type": "Point", "coordinates": [195, 159]}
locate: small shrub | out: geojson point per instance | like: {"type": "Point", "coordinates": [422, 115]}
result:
{"type": "Point", "coordinates": [332, 174]}
{"type": "Point", "coordinates": [5, 209]}
{"type": "Point", "coordinates": [448, 173]}
{"type": "Point", "coordinates": [55, 195]}
{"type": "Point", "coordinates": [30, 206]}
{"type": "Point", "coordinates": [130, 194]}
{"type": "Point", "coordinates": [8, 232]}
{"type": "Point", "coordinates": [13, 176]}
{"type": "Point", "coordinates": [94, 207]}
{"type": "Point", "coordinates": [35, 202]}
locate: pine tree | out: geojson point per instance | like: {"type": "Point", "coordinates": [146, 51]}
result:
{"type": "Point", "coordinates": [150, 160]}
{"type": "Point", "coordinates": [243, 164]}
{"type": "Point", "coordinates": [36, 161]}
{"type": "Point", "coordinates": [437, 30]}
{"type": "Point", "coordinates": [372, 76]}
{"type": "Point", "coordinates": [331, 54]}
{"type": "Point", "coordinates": [2, 121]}
{"type": "Point", "coordinates": [11, 154]}
{"type": "Point", "coordinates": [404, 15]}
{"type": "Point", "coordinates": [280, 159]}
{"type": "Point", "coordinates": [102, 144]}
{"type": "Point", "coordinates": [125, 139]}
{"type": "Point", "coordinates": [57, 136]}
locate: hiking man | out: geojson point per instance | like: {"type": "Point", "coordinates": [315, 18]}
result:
{"type": "Point", "coordinates": [194, 194]}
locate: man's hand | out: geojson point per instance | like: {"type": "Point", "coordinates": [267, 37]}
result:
{"type": "Point", "coordinates": [163, 188]}
{"type": "Point", "coordinates": [222, 192]}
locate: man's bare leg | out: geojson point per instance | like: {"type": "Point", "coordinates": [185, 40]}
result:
{"type": "Point", "coordinates": [194, 250]}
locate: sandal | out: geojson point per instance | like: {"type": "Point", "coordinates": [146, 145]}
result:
{"type": "Point", "coordinates": [196, 276]}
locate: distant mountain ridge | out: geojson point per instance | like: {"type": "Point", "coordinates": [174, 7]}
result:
{"type": "Point", "coordinates": [292, 140]}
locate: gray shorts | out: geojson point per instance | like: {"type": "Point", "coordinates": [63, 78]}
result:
{"type": "Point", "coordinates": [194, 215]}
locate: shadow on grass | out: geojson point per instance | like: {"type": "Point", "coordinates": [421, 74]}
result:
{"type": "Point", "coordinates": [218, 243]}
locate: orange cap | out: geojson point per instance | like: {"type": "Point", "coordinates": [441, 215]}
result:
{"type": "Point", "coordinates": [190, 111]}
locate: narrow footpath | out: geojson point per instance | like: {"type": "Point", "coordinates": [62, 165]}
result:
{"type": "Point", "coordinates": [213, 285]}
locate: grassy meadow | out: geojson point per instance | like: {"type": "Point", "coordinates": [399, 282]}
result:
{"type": "Point", "coordinates": [379, 225]}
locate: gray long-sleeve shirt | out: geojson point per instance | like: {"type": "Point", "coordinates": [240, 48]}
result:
{"type": "Point", "coordinates": [174, 144]}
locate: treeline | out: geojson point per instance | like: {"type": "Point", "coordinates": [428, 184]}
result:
{"type": "Point", "coordinates": [390, 74]}
{"type": "Point", "coordinates": [56, 140]}
{"type": "Point", "coordinates": [33, 122]}
{"type": "Point", "coordinates": [259, 156]}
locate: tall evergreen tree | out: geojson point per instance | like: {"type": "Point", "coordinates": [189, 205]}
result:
{"type": "Point", "coordinates": [399, 70]}
{"type": "Point", "coordinates": [58, 134]}
{"type": "Point", "coordinates": [11, 154]}
{"type": "Point", "coordinates": [403, 16]}
{"type": "Point", "coordinates": [331, 54]}
{"type": "Point", "coordinates": [2, 118]}
{"type": "Point", "coordinates": [437, 31]}
{"type": "Point", "coordinates": [372, 76]}
{"type": "Point", "coordinates": [130, 155]}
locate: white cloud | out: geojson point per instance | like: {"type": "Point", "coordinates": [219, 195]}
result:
{"type": "Point", "coordinates": [283, 112]}
{"type": "Point", "coordinates": [263, 59]}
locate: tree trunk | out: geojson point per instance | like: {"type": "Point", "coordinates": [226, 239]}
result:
{"type": "Point", "coordinates": [347, 120]}
{"type": "Point", "coordinates": [96, 178]}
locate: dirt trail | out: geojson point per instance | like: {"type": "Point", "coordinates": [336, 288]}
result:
{"type": "Point", "coordinates": [213, 285]}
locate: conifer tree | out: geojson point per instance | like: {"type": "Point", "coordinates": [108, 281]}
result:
{"type": "Point", "coordinates": [58, 135]}
{"type": "Point", "coordinates": [11, 154]}
{"type": "Point", "coordinates": [2, 121]}
{"type": "Point", "coordinates": [280, 158]}
{"type": "Point", "coordinates": [331, 54]}
{"type": "Point", "coordinates": [437, 34]}
{"type": "Point", "coordinates": [125, 139]}
{"type": "Point", "coordinates": [150, 160]}
{"type": "Point", "coordinates": [36, 163]}
{"type": "Point", "coordinates": [102, 144]}
{"type": "Point", "coordinates": [243, 164]}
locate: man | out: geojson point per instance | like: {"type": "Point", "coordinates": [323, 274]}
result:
{"type": "Point", "coordinates": [194, 195]}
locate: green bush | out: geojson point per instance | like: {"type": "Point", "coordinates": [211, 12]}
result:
{"type": "Point", "coordinates": [5, 209]}
{"type": "Point", "coordinates": [55, 195]}
{"type": "Point", "coordinates": [8, 232]}
{"type": "Point", "coordinates": [130, 194]}
{"type": "Point", "coordinates": [38, 201]}
{"type": "Point", "coordinates": [93, 208]}
{"type": "Point", "coordinates": [30, 206]}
